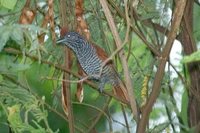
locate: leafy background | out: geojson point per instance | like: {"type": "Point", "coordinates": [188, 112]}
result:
{"type": "Point", "coordinates": [30, 92]}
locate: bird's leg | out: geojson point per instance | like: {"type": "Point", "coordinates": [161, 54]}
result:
{"type": "Point", "coordinates": [102, 83]}
{"type": "Point", "coordinates": [94, 76]}
{"type": "Point", "coordinates": [101, 86]}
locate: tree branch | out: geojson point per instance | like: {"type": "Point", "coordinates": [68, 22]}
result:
{"type": "Point", "coordinates": [176, 20]}
{"type": "Point", "coordinates": [118, 41]}
{"type": "Point", "coordinates": [66, 89]}
{"type": "Point", "coordinates": [58, 67]}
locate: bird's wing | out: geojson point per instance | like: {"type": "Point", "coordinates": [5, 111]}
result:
{"type": "Point", "coordinates": [119, 89]}
{"type": "Point", "coordinates": [100, 52]}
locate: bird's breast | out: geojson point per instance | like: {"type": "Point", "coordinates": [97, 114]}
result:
{"type": "Point", "coordinates": [90, 62]}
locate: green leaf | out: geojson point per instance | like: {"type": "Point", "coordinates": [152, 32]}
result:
{"type": "Point", "coordinates": [17, 35]}
{"type": "Point", "coordinates": [17, 124]}
{"type": "Point", "coordinates": [7, 66]}
{"type": "Point", "coordinates": [150, 15]}
{"type": "Point", "coordinates": [20, 67]}
{"type": "Point", "coordinates": [184, 106]}
{"type": "Point", "coordinates": [194, 57]}
{"type": "Point", "coordinates": [159, 127]}
{"type": "Point", "coordinates": [5, 34]}
{"type": "Point", "coordinates": [8, 3]}
{"type": "Point", "coordinates": [15, 32]}
{"type": "Point", "coordinates": [1, 78]}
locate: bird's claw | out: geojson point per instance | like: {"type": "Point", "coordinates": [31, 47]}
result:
{"type": "Point", "coordinates": [101, 87]}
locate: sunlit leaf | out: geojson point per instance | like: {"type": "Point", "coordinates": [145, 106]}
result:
{"type": "Point", "coordinates": [17, 124]}
{"type": "Point", "coordinates": [8, 3]}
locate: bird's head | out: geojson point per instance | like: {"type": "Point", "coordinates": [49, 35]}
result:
{"type": "Point", "coordinates": [71, 39]}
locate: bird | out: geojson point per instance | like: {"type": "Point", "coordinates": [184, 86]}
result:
{"type": "Point", "coordinates": [91, 58]}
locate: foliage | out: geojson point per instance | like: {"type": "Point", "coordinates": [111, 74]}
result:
{"type": "Point", "coordinates": [194, 57]}
{"type": "Point", "coordinates": [8, 3]}
{"type": "Point", "coordinates": [31, 70]}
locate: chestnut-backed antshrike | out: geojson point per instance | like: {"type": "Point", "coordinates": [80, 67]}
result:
{"type": "Point", "coordinates": [91, 58]}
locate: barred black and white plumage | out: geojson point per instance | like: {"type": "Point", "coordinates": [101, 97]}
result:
{"type": "Point", "coordinates": [90, 61]}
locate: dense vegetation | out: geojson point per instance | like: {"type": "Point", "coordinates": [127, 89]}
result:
{"type": "Point", "coordinates": [153, 45]}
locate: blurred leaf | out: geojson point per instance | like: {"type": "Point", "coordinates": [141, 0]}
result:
{"type": "Point", "coordinates": [22, 102]}
{"type": "Point", "coordinates": [17, 35]}
{"type": "Point", "coordinates": [1, 78]}
{"type": "Point", "coordinates": [24, 80]}
{"type": "Point", "coordinates": [196, 19]}
{"type": "Point", "coordinates": [184, 107]}
{"type": "Point", "coordinates": [159, 128]}
{"type": "Point", "coordinates": [20, 67]}
{"type": "Point", "coordinates": [150, 15]}
{"type": "Point", "coordinates": [18, 125]}
{"type": "Point", "coordinates": [4, 127]}
{"type": "Point", "coordinates": [8, 3]}
{"type": "Point", "coordinates": [8, 66]}
{"type": "Point", "coordinates": [34, 28]}
{"type": "Point", "coordinates": [5, 34]}
{"type": "Point", "coordinates": [35, 77]}
{"type": "Point", "coordinates": [15, 32]}
{"type": "Point", "coordinates": [194, 57]}
{"type": "Point", "coordinates": [157, 112]}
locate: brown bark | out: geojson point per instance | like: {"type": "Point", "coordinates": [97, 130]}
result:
{"type": "Point", "coordinates": [66, 89]}
{"type": "Point", "coordinates": [177, 17]}
{"type": "Point", "coordinates": [193, 69]}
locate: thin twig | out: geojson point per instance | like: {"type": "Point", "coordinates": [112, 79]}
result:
{"type": "Point", "coordinates": [99, 116]}
{"type": "Point", "coordinates": [65, 80]}
{"type": "Point", "coordinates": [125, 118]}
{"type": "Point", "coordinates": [93, 107]}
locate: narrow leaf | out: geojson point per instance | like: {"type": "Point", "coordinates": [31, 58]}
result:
{"type": "Point", "coordinates": [1, 78]}
{"type": "Point", "coordinates": [194, 57]}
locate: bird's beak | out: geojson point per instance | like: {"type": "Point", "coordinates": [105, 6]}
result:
{"type": "Point", "coordinates": [60, 41]}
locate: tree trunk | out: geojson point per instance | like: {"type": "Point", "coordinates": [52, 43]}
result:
{"type": "Point", "coordinates": [193, 69]}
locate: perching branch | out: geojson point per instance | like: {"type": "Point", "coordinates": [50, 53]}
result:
{"type": "Point", "coordinates": [59, 67]}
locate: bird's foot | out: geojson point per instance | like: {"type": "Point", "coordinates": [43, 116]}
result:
{"type": "Point", "coordinates": [101, 87]}
{"type": "Point", "coordinates": [100, 90]}
{"type": "Point", "coordinates": [94, 77]}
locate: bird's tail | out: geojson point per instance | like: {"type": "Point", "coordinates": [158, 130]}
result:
{"type": "Point", "coordinates": [121, 91]}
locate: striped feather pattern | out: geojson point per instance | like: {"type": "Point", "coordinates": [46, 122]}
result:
{"type": "Point", "coordinates": [91, 63]}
